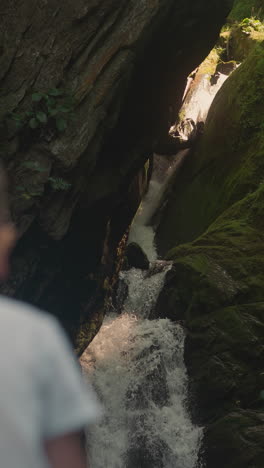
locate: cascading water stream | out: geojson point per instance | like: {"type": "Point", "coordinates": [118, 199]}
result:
{"type": "Point", "coordinates": [142, 232]}
{"type": "Point", "coordinates": [137, 368]}
{"type": "Point", "coordinates": [136, 364]}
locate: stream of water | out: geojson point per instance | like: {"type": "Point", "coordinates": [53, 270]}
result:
{"type": "Point", "coordinates": [137, 367]}
{"type": "Point", "coordinates": [136, 364]}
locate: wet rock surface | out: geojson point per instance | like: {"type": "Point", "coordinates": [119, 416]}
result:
{"type": "Point", "coordinates": [123, 64]}
{"type": "Point", "coordinates": [216, 283]}
{"type": "Point", "coordinates": [136, 257]}
{"type": "Point", "coordinates": [240, 425]}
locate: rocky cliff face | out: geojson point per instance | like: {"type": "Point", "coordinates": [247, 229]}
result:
{"type": "Point", "coordinates": [112, 72]}
{"type": "Point", "coordinates": [216, 284]}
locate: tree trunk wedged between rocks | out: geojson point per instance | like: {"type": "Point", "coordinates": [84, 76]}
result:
{"type": "Point", "coordinates": [119, 67]}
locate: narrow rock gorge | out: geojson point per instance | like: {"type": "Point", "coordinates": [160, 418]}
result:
{"type": "Point", "coordinates": [116, 72]}
{"type": "Point", "coordinates": [90, 91]}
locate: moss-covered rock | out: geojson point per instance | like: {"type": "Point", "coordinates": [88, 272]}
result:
{"type": "Point", "coordinates": [243, 38]}
{"type": "Point", "coordinates": [216, 287]}
{"type": "Point", "coordinates": [228, 162]}
{"type": "Point", "coordinates": [225, 438]}
{"type": "Point", "coordinates": [214, 220]}
{"type": "Point", "coordinates": [246, 8]}
{"type": "Point", "coordinates": [244, 29]}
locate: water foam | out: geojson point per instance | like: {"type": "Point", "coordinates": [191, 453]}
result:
{"type": "Point", "coordinates": [141, 231]}
{"type": "Point", "coordinates": [128, 361]}
{"type": "Point", "coordinates": [137, 368]}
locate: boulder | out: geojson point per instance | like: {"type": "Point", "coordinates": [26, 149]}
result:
{"type": "Point", "coordinates": [227, 162]}
{"type": "Point", "coordinates": [216, 287]}
{"type": "Point", "coordinates": [238, 427]}
{"type": "Point", "coordinates": [136, 257]}
{"type": "Point", "coordinates": [215, 221]}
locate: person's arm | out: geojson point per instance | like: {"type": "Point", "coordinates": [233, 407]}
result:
{"type": "Point", "coordinates": [66, 451]}
{"type": "Point", "coordinates": [7, 242]}
{"type": "Point", "coordinates": [7, 229]}
{"type": "Point", "coordinates": [68, 405]}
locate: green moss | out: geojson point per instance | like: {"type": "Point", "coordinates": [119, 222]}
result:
{"type": "Point", "coordinates": [217, 286]}
{"type": "Point", "coordinates": [222, 274]}
{"type": "Point", "coordinates": [246, 28]}
{"type": "Point", "coordinates": [243, 39]}
{"type": "Point", "coordinates": [246, 8]}
{"type": "Point", "coordinates": [251, 24]}
{"type": "Point", "coordinates": [209, 65]}
{"type": "Point", "coordinates": [228, 162]}
{"type": "Point", "coordinates": [214, 222]}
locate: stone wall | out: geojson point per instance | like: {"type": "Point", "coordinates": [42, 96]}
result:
{"type": "Point", "coordinates": [122, 64]}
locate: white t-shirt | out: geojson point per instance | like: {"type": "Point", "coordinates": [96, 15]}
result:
{"type": "Point", "coordinates": [41, 390]}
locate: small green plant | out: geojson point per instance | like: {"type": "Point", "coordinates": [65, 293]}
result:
{"type": "Point", "coordinates": [57, 183]}
{"type": "Point", "coordinates": [53, 109]}
{"type": "Point", "coordinates": [225, 28]}
{"type": "Point", "coordinates": [34, 165]}
{"type": "Point", "coordinates": [182, 114]}
{"type": "Point", "coordinates": [251, 24]}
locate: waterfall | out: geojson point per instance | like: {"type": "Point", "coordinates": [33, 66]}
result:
{"type": "Point", "coordinates": [137, 368]}
{"type": "Point", "coordinates": [137, 364]}
{"type": "Point", "coordinates": [142, 232]}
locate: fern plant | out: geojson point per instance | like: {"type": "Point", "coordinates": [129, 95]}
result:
{"type": "Point", "coordinates": [53, 109]}
{"type": "Point", "coordinates": [57, 183]}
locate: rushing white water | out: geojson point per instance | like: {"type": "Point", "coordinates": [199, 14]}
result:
{"type": "Point", "coordinates": [195, 108]}
{"type": "Point", "coordinates": [142, 232]}
{"type": "Point", "coordinates": [143, 289]}
{"type": "Point", "coordinates": [136, 364]}
{"type": "Point", "coordinates": [137, 368]}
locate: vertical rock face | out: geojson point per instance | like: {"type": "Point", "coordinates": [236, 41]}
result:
{"type": "Point", "coordinates": [217, 281]}
{"type": "Point", "coordinates": [112, 72]}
